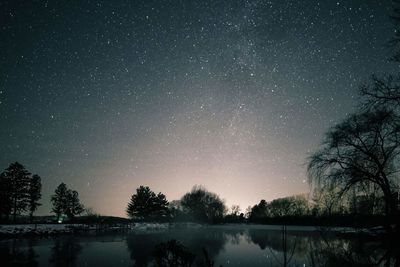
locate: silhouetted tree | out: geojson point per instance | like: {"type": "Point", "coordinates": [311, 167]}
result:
{"type": "Point", "coordinates": [381, 92]}
{"type": "Point", "coordinates": [66, 201]}
{"type": "Point", "coordinates": [384, 91]}
{"type": "Point", "coordinates": [5, 197]}
{"type": "Point", "coordinates": [19, 191]}
{"type": "Point", "coordinates": [234, 215]}
{"type": "Point", "coordinates": [176, 211]}
{"type": "Point", "coordinates": [235, 210]}
{"type": "Point", "coordinates": [34, 195]}
{"type": "Point", "coordinates": [18, 179]}
{"type": "Point", "coordinates": [362, 149]}
{"type": "Point", "coordinates": [59, 200]}
{"type": "Point", "coordinates": [145, 205]}
{"type": "Point", "coordinates": [328, 201]}
{"type": "Point", "coordinates": [203, 205]}
{"type": "Point", "coordinates": [259, 211]}
{"type": "Point", "coordinates": [74, 207]}
{"type": "Point", "coordinates": [289, 206]}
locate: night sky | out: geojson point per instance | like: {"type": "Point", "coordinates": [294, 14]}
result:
{"type": "Point", "coordinates": [233, 95]}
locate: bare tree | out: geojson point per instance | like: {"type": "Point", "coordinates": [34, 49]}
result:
{"type": "Point", "coordinates": [362, 149]}
{"type": "Point", "coordinates": [381, 92]}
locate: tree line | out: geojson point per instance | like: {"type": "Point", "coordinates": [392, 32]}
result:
{"type": "Point", "coordinates": [20, 193]}
{"type": "Point", "coordinates": [200, 205]}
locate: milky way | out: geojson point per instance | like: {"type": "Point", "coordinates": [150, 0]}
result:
{"type": "Point", "coordinates": [233, 95]}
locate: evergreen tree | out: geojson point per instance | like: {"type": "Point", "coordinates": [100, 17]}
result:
{"type": "Point", "coordinates": [17, 180]}
{"type": "Point", "coordinates": [145, 204]}
{"type": "Point", "coordinates": [74, 207]}
{"type": "Point", "coordinates": [66, 201]}
{"type": "Point", "coordinates": [34, 194]}
{"type": "Point", "coordinates": [5, 197]}
{"type": "Point", "coordinates": [59, 200]}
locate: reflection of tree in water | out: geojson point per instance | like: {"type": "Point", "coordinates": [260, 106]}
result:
{"type": "Point", "coordinates": [324, 250]}
{"type": "Point", "coordinates": [204, 244]}
{"type": "Point", "coordinates": [276, 241]}
{"type": "Point", "coordinates": [13, 254]}
{"type": "Point", "coordinates": [210, 240]}
{"type": "Point", "coordinates": [345, 252]}
{"type": "Point", "coordinates": [31, 255]}
{"type": "Point", "coordinates": [273, 239]}
{"type": "Point", "coordinates": [172, 253]}
{"type": "Point", "coordinates": [233, 236]}
{"type": "Point", "coordinates": [65, 252]}
{"type": "Point", "coordinates": [141, 247]}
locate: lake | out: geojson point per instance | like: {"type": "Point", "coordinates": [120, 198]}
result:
{"type": "Point", "coordinates": [205, 246]}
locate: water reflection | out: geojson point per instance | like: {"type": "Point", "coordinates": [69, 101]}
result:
{"type": "Point", "coordinates": [214, 246]}
{"type": "Point", "coordinates": [204, 245]}
{"type": "Point", "coordinates": [173, 253]}
{"type": "Point", "coordinates": [64, 252]}
{"type": "Point", "coordinates": [16, 253]}
{"type": "Point", "coordinates": [282, 247]}
{"type": "Point", "coordinates": [324, 252]}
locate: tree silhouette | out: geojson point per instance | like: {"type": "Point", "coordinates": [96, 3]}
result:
{"type": "Point", "coordinates": [289, 206]}
{"type": "Point", "coordinates": [235, 210]}
{"type": "Point", "coordinates": [363, 149]}
{"type": "Point", "coordinates": [74, 206]}
{"type": "Point", "coordinates": [259, 211]}
{"type": "Point", "coordinates": [19, 191]}
{"type": "Point", "coordinates": [384, 91]}
{"type": "Point", "coordinates": [59, 200]}
{"type": "Point", "coordinates": [328, 201]}
{"type": "Point", "coordinates": [203, 205]}
{"type": "Point", "coordinates": [34, 195]}
{"type": "Point", "coordinates": [17, 180]}
{"type": "Point", "coordinates": [5, 197]}
{"type": "Point", "coordinates": [381, 92]}
{"type": "Point", "coordinates": [66, 201]}
{"type": "Point", "coordinates": [145, 205]}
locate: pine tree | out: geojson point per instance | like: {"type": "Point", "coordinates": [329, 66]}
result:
{"type": "Point", "coordinates": [74, 206]}
{"type": "Point", "coordinates": [145, 204]}
{"type": "Point", "coordinates": [59, 200]}
{"type": "Point", "coordinates": [66, 201]}
{"type": "Point", "coordinates": [5, 197]}
{"type": "Point", "coordinates": [18, 179]}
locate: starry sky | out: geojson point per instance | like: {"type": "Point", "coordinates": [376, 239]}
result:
{"type": "Point", "coordinates": [233, 95]}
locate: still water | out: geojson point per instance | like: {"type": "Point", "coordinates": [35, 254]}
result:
{"type": "Point", "coordinates": [205, 246]}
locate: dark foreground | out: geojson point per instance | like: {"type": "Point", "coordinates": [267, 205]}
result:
{"type": "Point", "coordinates": [204, 246]}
